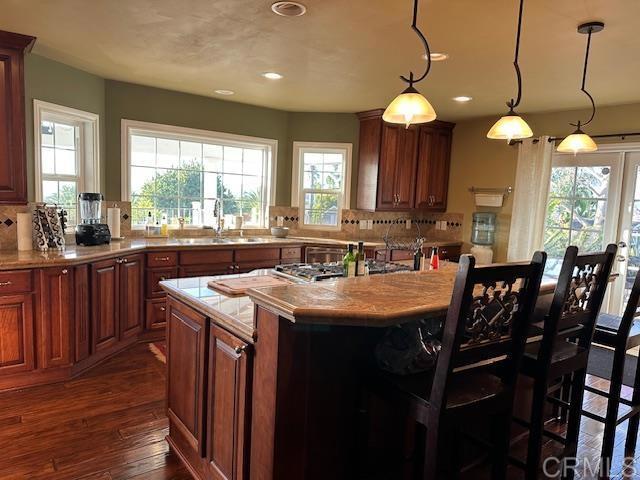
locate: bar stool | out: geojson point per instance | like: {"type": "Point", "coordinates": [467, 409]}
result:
{"type": "Point", "coordinates": [563, 352]}
{"type": "Point", "coordinates": [484, 337]}
{"type": "Point", "coordinates": [621, 334]}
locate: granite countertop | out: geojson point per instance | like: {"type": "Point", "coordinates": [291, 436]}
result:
{"type": "Point", "coordinates": [234, 313]}
{"type": "Point", "coordinates": [375, 301]}
{"type": "Point", "coordinates": [14, 259]}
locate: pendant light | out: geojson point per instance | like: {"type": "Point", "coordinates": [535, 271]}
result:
{"type": "Point", "coordinates": [410, 106]}
{"type": "Point", "coordinates": [578, 141]}
{"type": "Point", "coordinates": [512, 126]}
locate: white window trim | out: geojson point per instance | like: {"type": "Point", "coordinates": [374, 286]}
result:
{"type": "Point", "coordinates": [297, 178]}
{"type": "Point", "coordinates": [89, 171]}
{"type": "Point", "coordinates": [197, 135]}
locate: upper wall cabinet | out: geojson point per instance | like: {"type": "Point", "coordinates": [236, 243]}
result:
{"type": "Point", "coordinates": [403, 168]}
{"type": "Point", "coordinates": [13, 168]}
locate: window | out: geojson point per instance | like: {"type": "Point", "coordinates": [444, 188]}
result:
{"type": "Point", "coordinates": [181, 173]}
{"type": "Point", "coordinates": [321, 183]}
{"type": "Point", "coordinates": [582, 205]}
{"type": "Point", "coordinates": [66, 153]}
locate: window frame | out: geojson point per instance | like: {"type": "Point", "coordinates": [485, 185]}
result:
{"type": "Point", "coordinates": [129, 127]}
{"type": "Point", "coordinates": [297, 187]}
{"type": "Point", "coordinates": [87, 151]}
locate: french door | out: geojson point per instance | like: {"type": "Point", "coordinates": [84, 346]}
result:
{"type": "Point", "coordinates": [594, 200]}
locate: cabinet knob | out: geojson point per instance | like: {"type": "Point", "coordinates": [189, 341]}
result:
{"type": "Point", "coordinates": [240, 348]}
{"type": "Point", "coordinates": [119, 260]}
{"type": "Point", "coordinates": [65, 271]}
{"type": "Point", "coordinates": [125, 260]}
{"type": "Point", "coordinates": [162, 278]}
{"type": "Point", "coordinates": [163, 309]}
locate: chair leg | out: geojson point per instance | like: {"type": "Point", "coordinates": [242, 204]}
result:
{"type": "Point", "coordinates": [613, 404]}
{"type": "Point", "coordinates": [441, 459]}
{"type": "Point", "coordinates": [536, 429]}
{"type": "Point", "coordinates": [575, 415]}
{"type": "Point", "coordinates": [500, 430]}
{"type": "Point", "coordinates": [634, 422]}
{"type": "Point", "coordinates": [565, 395]}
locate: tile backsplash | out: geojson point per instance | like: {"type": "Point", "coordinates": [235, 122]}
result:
{"type": "Point", "coordinates": [432, 226]}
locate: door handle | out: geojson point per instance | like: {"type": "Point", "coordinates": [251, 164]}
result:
{"type": "Point", "coordinates": [621, 258]}
{"type": "Point", "coordinates": [622, 244]}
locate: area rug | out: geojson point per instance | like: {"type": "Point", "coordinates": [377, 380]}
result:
{"type": "Point", "coordinates": [601, 363]}
{"type": "Point", "coordinates": [159, 349]}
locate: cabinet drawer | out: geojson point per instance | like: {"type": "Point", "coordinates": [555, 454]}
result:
{"type": "Point", "coordinates": [205, 270]}
{"type": "Point", "coordinates": [157, 275]}
{"type": "Point", "coordinates": [292, 254]}
{"type": "Point", "coordinates": [162, 259]}
{"type": "Point", "coordinates": [257, 254]}
{"type": "Point", "coordinates": [15, 282]}
{"type": "Point", "coordinates": [207, 257]}
{"type": "Point", "coordinates": [249, 266]}
{"type": "Point", "coordinates": [156, 314]}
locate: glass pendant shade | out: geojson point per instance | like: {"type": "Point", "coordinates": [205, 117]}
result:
{"type": "Point", "coordinates": [510, 127]}
{"type": "Point", "coordinates": [408, 108]}
{"type": "Point", "coordinates": [577, 142]}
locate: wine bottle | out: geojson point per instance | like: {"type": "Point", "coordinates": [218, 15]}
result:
{"type": "Point", "coordinates": [361, 261]}
{"type": "Point", "coordinates": [417, 259]}
{"type": "Point", "coordinates": [349, 263]}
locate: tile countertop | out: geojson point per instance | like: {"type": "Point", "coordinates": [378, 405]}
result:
{"type": "Point", "coordinates": [14, 259]}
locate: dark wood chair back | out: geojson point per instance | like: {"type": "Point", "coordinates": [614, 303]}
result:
{"type": "Point", "coordinates": [488, 320]}
{"type": "Point", "coordinates": [577, 299]}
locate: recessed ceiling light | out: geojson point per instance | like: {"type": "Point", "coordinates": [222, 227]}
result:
{"type": "Point", "coordinates": [462, 99]}
{"type": "Point", "coordinates": [289, 9]}
{"type": "Point", "coordinates": [272, 75]}
{"type": "Point", "coordinates": [222, 91]}
{"type": "Point", "coordinates": [437, 56]}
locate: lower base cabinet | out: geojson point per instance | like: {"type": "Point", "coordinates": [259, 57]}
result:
{"type": "Point", "coordinates": [228, 406]}
{"type": "Point", "coordinates": [17, 349]}
{"type": "Point", "coordinates": [55, 322]}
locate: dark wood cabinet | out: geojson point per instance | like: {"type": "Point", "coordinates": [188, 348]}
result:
{"type": "Point", "coordinates": [82, 309]}
{"type": "Point", "coordinates": [17, 349]}
{"type": "Point", "coordinates": [432, 175]}
{"type": "Point", "coordinates": [156, 314]}
{"type": "Point", "coordinates": [228, 406]}
{"type": "Point", "coordinates": [186, 351]}
{"type": "Point", "coordinates": [104, 304]}
{"type": "Point", "coordinates": [13, 161]}
{"type": "Point", "coordinates": [131, 295]}
{"type": "Point", "coordinates": [403, 168]}
{"type": "Point", "coordinates": [55, 319]}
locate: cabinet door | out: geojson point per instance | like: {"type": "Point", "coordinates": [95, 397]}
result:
{"type": "Point", "coordinates": [82, 312]}
{"type": "Point", "coordinates": [131, 295]}
{"type": "Point", "coordinates": [13, 162]}
{"type": "Point", "coordinates": [227, 406]}
{"type": "Point", "coordinates": [396, 174]}
{"type": "Point", "coordinates": [157, 275]}
{"type": "Point", "coordinates": [434, 154]}
{"type": "Point", "coordinates": [55, 319]}
{"type": "Point", "coordinates": [16, 334]}
{"type": "Point", "coordinates": [186, 361]}
{"type": "Point", "coordinates": [104, 304]}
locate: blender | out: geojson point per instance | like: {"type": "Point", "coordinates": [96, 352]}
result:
{"type": "Point", "coordinates": [90, 231]}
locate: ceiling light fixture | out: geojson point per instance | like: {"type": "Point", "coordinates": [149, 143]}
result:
{"type": "Point", "coordinates": [512, 126]}
{"type": "Point", "coordinates": [462, 99]}
{"type": "Point", "coordinates": [288, 9]}
{"type": "Point", "coordinates": [410, 106]}
{"type": "Point", "coordinates": [272, 75]}
{"type": "Point", "coordinates": [222, 91]}
{"type": "Point", "coordinates": [578, 141]}
{"type": "Point", "coordinates": [436, 56]}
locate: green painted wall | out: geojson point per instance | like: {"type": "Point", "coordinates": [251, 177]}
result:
{"type": "Point", "coordinates": [137, 102]}
{"type": "Point", "coordinates": [63, 85]}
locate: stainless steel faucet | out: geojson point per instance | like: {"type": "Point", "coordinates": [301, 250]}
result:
{"type": "Point", "coordinates": [217, 211]}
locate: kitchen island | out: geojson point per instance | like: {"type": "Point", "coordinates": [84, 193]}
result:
{"type": "Point", "coordinates": [266, 386]}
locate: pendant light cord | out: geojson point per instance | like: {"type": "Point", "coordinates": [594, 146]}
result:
{"type": "Point", "coordinates": [415, 28]}
{"type": "Point", "coordinates": [514, 103]}
{"type": "Point", "coordinates": [584, 81]}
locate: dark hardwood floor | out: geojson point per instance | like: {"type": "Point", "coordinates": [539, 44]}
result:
{"type": "Point", "coordinates": [110, 424]}
{"type": "Point", "coordinates": [107, 424]}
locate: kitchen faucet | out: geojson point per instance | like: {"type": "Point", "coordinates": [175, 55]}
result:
{"type": "Point", "coordinates": [217, 211]}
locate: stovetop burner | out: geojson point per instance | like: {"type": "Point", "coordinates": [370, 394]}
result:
{"type": "Point", "coordinates": [314, 272]}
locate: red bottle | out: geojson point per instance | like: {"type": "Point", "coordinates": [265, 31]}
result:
{"type": "Point", "coordinates": [434, 263]}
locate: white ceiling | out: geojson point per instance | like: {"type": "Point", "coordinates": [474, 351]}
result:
{"type": "Point", "coordinates": [344, 55]}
